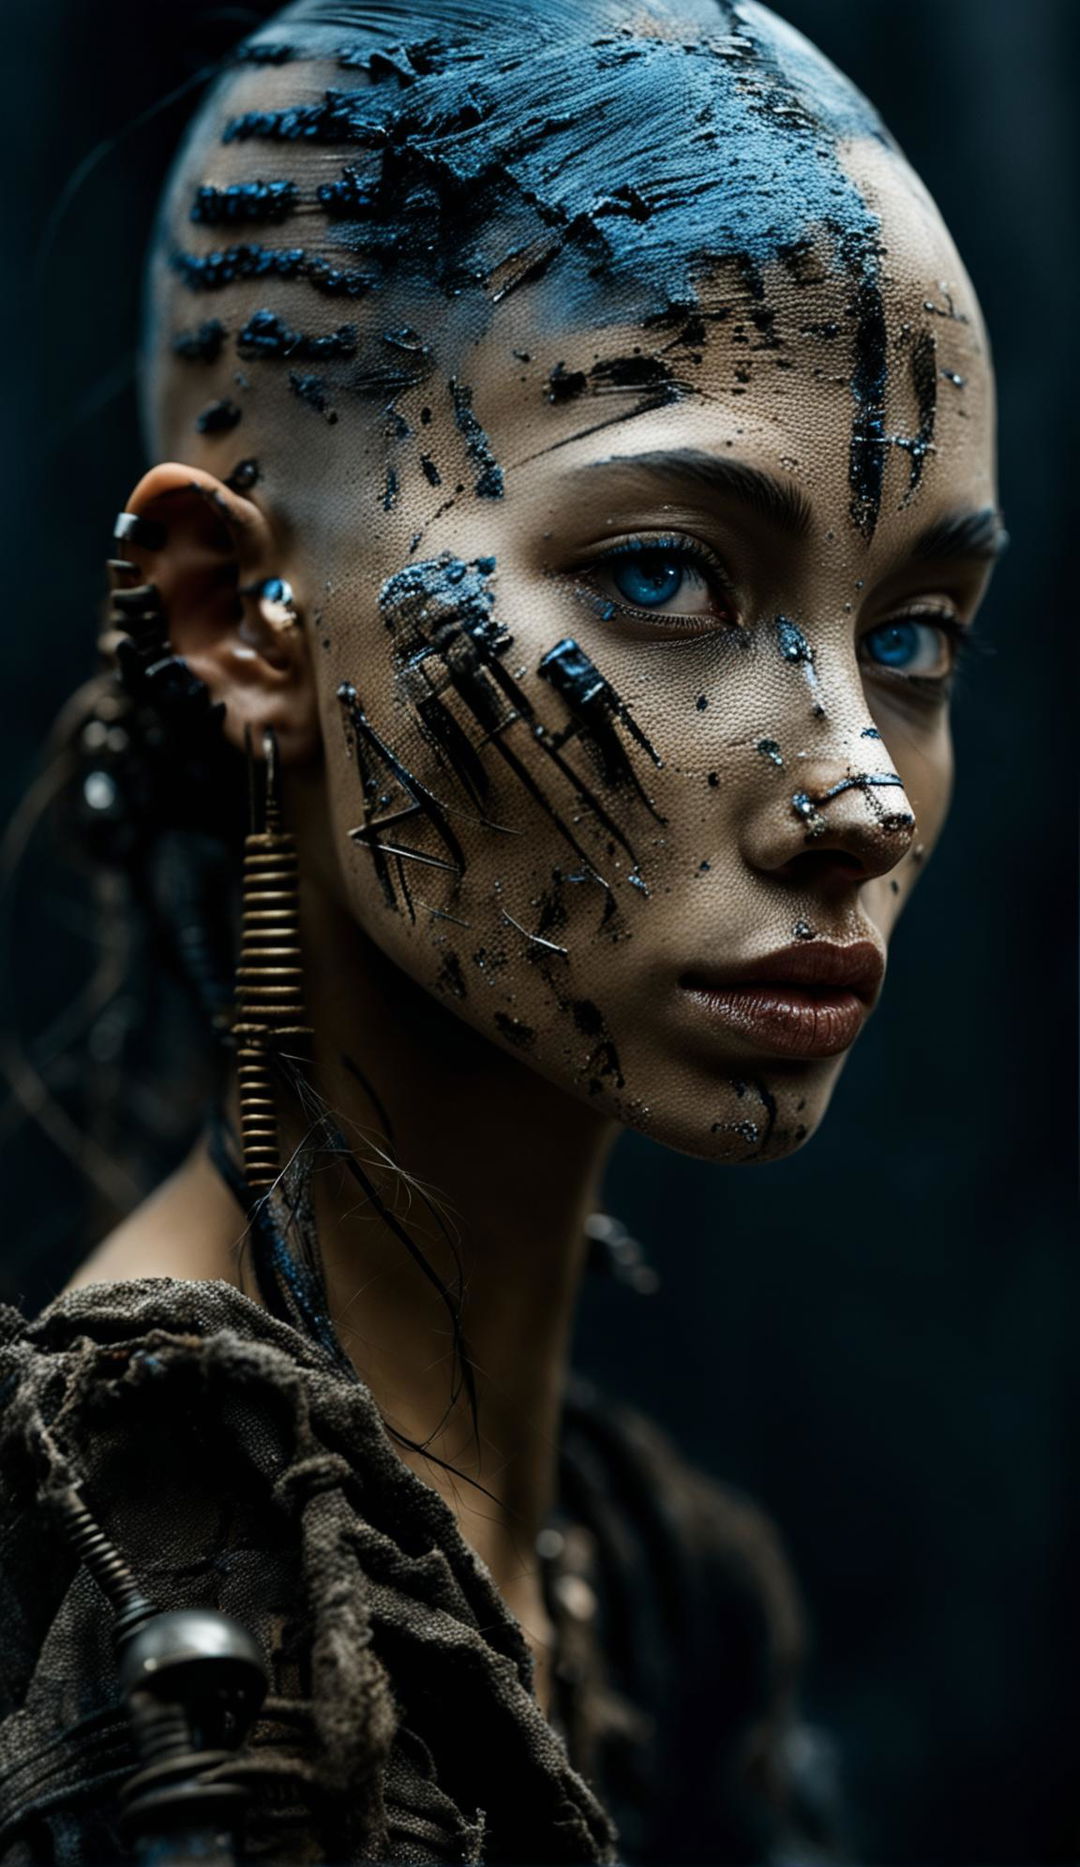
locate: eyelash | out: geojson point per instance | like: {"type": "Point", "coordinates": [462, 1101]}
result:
{"type": "Point", "coordinates": [691, 552]}
{"type": "Point", "coordinates": [712, 572]}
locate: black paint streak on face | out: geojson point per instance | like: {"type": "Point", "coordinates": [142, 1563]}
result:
{"type": "Point", "coordinates": [866, 464]}
{"type": "Point", "coordinates": [768, 1103]}
{"type": "Point", "coordinates": [522, 1036]}
{"type": "Point", "coordinates": [796, 650]}
{"type": "Point", "coordinates": [212, 272]}
{"type": "Point", "coordinates": [351, 198]}
{"type": "Point", "coordinates": [219, 418]}
{"type": "Point", "coordinates": [770, 750]}
{"type": "Point", "coordinates": [869, 732]}
{"type": "Point", "coordinates": [446, 639]}
{"type": "Point", "coordinates": [241, 202]}
{"type": "Point", "coordinates": [488, 473]}
{"type": "Point", "coordinates": [597, 712]}
{"type": "Point", "coordinates": [604, 1058]}
{"type": "Point", "coordinates": [244, 476]}
{"type": "Point", "coordinates": [202, 345]}
{"type": "Point", "coordinates": [566, 385]}
{"type": "Point", "coordinates": [372, 753]}
{"type": "Point", "coordinates": [924, 375]}
{"type": "Point", "coordinates": [311, 390]}
{"type": "Point", "coordinates": [267, 335]}
{"type": "Point", "coordinates": [390, 491]}
{"type": "Point", "coordinates": [336, 119]}
{"type": "Point", "coordinates": [430, 471]}
{"type": "Point", "coordinates": [450, 977]}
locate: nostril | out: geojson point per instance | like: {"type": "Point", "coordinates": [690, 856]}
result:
{"type": "Point", "coordinates": [815, 865]}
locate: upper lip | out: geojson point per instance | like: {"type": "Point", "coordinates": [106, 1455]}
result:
{"type": "Point", "coordinates": [856, 966]}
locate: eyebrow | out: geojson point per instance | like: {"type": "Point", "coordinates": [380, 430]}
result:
{"type": "Point", "coordinates": [776, 500]}
{"type": "Point", "coordinates": [979, 534]}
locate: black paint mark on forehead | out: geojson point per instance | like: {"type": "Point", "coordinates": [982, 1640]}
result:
{"type": "Point", "coordinates": [866, 465]}
{"type": "Point", "coordinates": [924, 382]}
{"type": "Point", "coordinates": [267, 335]}
{"type": "Point", "coordinates": [242, 202]}
{"type": "Point", "coordinates": [488, 483]}
{"type": "Point", "coordinates": [213, 272]}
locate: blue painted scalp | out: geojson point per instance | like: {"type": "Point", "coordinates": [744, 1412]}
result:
{"type": "Point", "coordinates": [622, 161]}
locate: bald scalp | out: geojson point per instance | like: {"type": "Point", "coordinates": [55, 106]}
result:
{"type": "Point", "coordinates": [366, 186]}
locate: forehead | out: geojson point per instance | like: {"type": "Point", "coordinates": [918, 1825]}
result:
{"type": "Point", "coordinates": [773, 368]}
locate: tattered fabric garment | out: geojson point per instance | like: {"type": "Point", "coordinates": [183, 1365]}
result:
{"type": "Point", "coordinates": [236, 1466]}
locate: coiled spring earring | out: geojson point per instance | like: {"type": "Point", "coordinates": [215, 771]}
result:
{"type": "Point", "coordinates": [269, 982]}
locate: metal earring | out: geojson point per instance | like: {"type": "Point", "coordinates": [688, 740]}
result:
{"type": "Point", "coordinates": [269, 983]}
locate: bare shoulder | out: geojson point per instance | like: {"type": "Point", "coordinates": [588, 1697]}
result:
{"type": "Point", "coordinates": [191, 1227]}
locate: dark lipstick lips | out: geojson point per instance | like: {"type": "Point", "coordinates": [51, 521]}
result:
{"type": "Point", "coordinates": [803, 1001]}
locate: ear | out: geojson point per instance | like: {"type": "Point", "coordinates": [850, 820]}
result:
{"type": "Point", "coordinates": [228, 610]}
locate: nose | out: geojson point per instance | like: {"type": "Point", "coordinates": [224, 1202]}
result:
{"type": "Point", "coordinates": [836, 820]}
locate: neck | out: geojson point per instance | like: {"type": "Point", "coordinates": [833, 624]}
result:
{"type": "Point", "coordinates": [492, 1172]}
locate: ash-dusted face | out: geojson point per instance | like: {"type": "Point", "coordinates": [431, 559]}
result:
{"type": "Point", "coordinates": [634, 630]}
{"type": "Point", "coordinates": [624, 691]}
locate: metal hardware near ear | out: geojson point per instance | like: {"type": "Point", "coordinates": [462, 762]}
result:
{"type": "Point", "coordinates": [269, 983]}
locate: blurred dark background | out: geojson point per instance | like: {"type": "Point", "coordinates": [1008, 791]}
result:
{"type": "Point", "coordinates": [876, 1338]}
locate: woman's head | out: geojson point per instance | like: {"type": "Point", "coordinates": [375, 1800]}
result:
{"type": "Point", "coordinates": [612, 397]}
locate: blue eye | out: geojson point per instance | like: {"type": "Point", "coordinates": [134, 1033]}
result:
{"type": "Point", "coordinates": [648, 578]}
{"type": "Point", "coordinates": [910, 647]}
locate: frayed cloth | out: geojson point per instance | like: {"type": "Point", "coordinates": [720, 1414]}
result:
{"type": "Point", "coordinates": [235, 1467]}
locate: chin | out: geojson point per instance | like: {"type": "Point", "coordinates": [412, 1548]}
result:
{"type": "Point", "coordinates": [757, 1114]}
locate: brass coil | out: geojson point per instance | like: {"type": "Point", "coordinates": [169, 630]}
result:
{"type": "Point", "coordinates": [269, 992]}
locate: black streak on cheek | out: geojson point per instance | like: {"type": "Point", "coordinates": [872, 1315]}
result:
{"type": "Point", "coordinates": [450, 978]}
{"type": "Point", "coordinates": [219, 418]}
{"type": "Point", "coordinates": [866, 469]}
{"type": "Point", "coordinates": [488, 482]}
{"type": "Point", "coordinates": [202, 345]}
{"type": "Point", "coordinates": [522, 1036]}
{"type": "Point", "coordinates": [446, 640]}
{"type": "Point", "coordinates": [597, 712]}
{"type": "Point", "coordinates": [796, 650]}
{"type": "Point", "coordinates": [311, 390]}
{"type": "Point", "coordinates": [242, 202]}
{"type": "Point", "coordinates": [430, 471]}
{"type": "Point", "coordinates": [604, 1059]}
{"type": "Point", "coordinates": [381, 835]}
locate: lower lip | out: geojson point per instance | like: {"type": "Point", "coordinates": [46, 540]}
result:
{"type": "Point", "coordinates": [785, 1020]}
